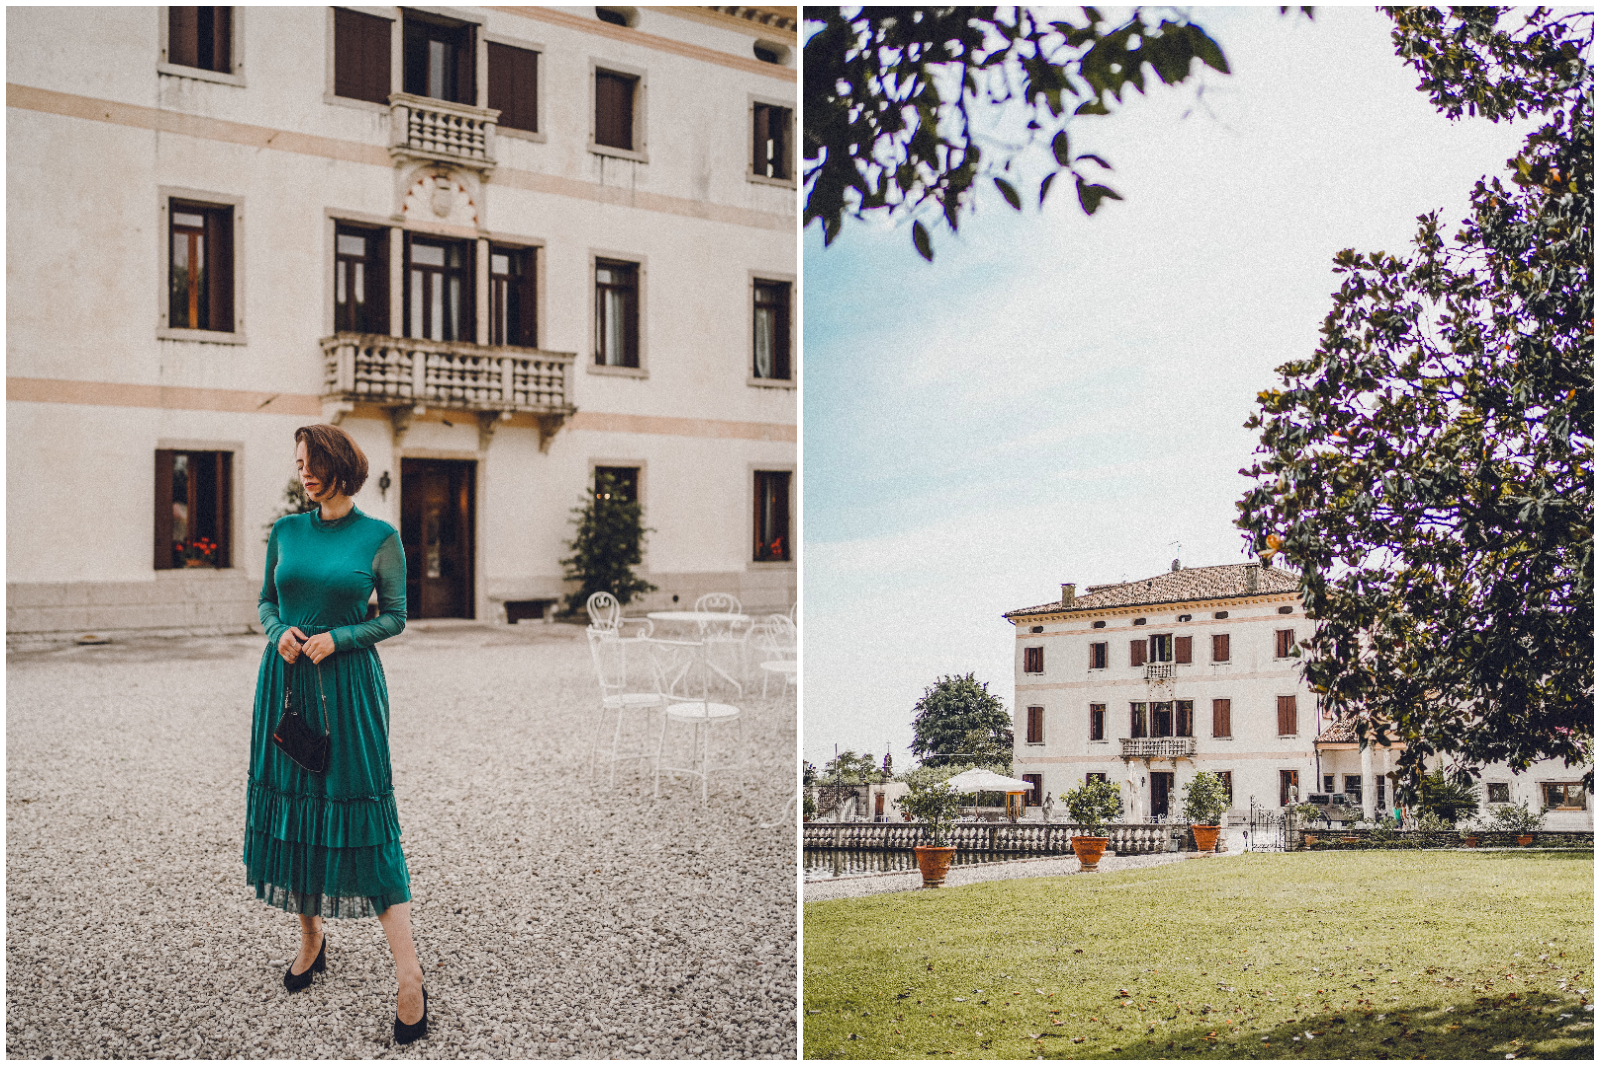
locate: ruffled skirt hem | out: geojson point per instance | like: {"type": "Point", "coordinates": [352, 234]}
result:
{"type": "Point", "coordinates": [310, 879]}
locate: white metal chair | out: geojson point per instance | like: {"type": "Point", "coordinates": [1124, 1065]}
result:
{"type": "Point", "coordinates": [606, 612]}
{"type": "Point", "coordinates": [719, 634]}
{"type": "Point", "coordinates": [681, 678]}
{"type": "Point", "coordinates": [611, 668]}
{"type": "Point", "coordinates": [771, 645]}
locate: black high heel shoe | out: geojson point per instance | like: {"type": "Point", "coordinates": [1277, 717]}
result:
{"type": "Point", "coordinates": [405, 1034]}
{"type": "Point", "coordinates": [294, 982]}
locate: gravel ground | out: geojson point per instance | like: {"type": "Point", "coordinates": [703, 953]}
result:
{"type": "Point", "coordinates": [873, 884]}
{"type": "Point", "coordinates": [554, 918]}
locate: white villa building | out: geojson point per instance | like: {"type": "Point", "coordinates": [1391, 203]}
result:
{"type": "Point", "coordinates": [1147, 682]}
{"type": "Point", "coordinates": [504, 248]}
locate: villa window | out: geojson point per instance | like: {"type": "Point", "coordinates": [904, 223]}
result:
{"type": "Point", "coordinates": [1499, 792]}
{"type": "Point", "coordinates": [1565, 796]}
{"type": "Point", "coordinates": [1036, 793]}
{"type": "Point", "coordinates": [1136, 721]}
{"type": "Point", "coordinates": [1284, 645]}
{"type": "Point", "coordinates": [360, 280]}
{"type": "Point", "coordinates": [1288, 787]}
{"type": "Point", "coordinates": [1161, 719]}
{"type": "Point", "coordinates": [1184, 726]}
{"type": "Point", "coordinates": [512, 303]}
{"type": "Point", "coordinates": [361, 56]}
{"type": "Point", "coordinates": [200, 267]}
{"type": "Point", "coordinates": [1287, 724]}
{"type": "Point", "coordinates": [1097, 721]}
{"type": "Point", "coordinates": [1033, 660]}
{"type": "Point", "coordinates": [772, 516]}
{"type": "Point", "coordinates": [439, 301]}
{"type": "Point", "coordinates": [770, 344]}
{"type": "Point", "coordinates": [1035, 725]}
{"type": "Point", "coordinates": [771, 126]}
{"type": "Point", "coordinates": [1222, 718]}
{"type": "Point", "coordinates": [194, 496]}
{"type": "Point", "coordinates": [1097, 656]}
{"type": "Point", "coordinates": [1093, 777]}
{"type": "Point", "coordinates": [200, 37]}
{"type": "Point", "coordinates": [613, 109]}
{"type": "Point", "coordinates": [616, 313]}
{"type": "Point", "coordinates": [1352, 785]}
{"type": "Point", "coordinates": [1327, 782]}
{"type": "Point", "coordinates": [439, 57]}
{"type": "Point", "coordinates": [1219, 647]}
{"type": "Point", "coordinates": [1161, 648]}
{"type": "Point", "coordinates": [616, 482]}
{"type": "Point", "coordinates": [1226, 777]}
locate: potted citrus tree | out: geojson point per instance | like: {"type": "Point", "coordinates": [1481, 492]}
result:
{"type": "Point", "coordinates": [1091, 805]}
{"type": "Point", "coordinates": [930, 799]}
{"type": "Point", "coordinates": [1516, 820]}
{"type": "Point", "coordinates": [1204, 800]}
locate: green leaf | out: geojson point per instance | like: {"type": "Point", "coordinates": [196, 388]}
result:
{"type": "Point", "coordinates": [1009, 192]}
{"type": "Point", "coordinates": [1091, 195]}
{"type": "Point", "coordinates": [1044, 186]}
{"type": "Point", "coordinates": [1208, 50]}
{"type": "Point", "coordinates": [1058, 145]}
{"type": "Point", "coordinates": [1092, 107]}
{"type": "Point", "coordinates": [919, 237]}
{"type": "Point", "coordinates": [1095, 158]}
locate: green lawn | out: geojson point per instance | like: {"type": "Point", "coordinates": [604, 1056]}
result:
{"type": "Point", "coordinates": [1374, 954]}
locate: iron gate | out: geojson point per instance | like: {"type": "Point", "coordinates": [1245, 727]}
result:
{"type": "Point", "coordinates": [1265, 831]}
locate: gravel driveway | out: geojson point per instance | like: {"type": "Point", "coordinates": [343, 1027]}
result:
{"type": "Point", "coordinates": [554, 918]}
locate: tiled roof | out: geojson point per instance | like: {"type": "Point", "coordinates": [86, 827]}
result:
{"type": "Point", "coordinates": [1342, 731]}
{"type": "Point", "coordinates": [1175, 586]}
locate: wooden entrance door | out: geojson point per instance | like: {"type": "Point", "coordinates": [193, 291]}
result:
{"type": "Point", "coordinates": [436, 526]}
{"type": "Point", "coordinates": [1160, 794]}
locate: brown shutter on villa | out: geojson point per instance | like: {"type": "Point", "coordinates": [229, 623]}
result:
{"type": "Point", "coordinates": [1035, 725]}
{"type": "Point", "coordinates": [1219, 647]}
{"type": "Point", "coordinates": [514, 86]}
{"type": "Point", "coordinates": [1136, 653]}
{"type": "Point", "coordinates": [361, 56]}
{"type": "Point", "coordinates": [219, 242]}
{"type": "Point", "coordinates": [1286, 716]}
{"type": "Point", "coordinates": [163, 556]}
{"type": "Point", "coordinates": [1183, 649]}
{"type": "Point", "coordinates": [613, 109]}
{"type": "Point", "coordinates": [1222, 718]}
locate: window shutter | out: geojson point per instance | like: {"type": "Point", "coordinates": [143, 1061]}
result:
{"type": "Point", "coordinates": [528, 301]}
{"type": "Point", "coordinates": [613, 109]}
{"type": "Point", "coordinates": [183, 37]}
{"type": "Point", "coordinates": [1219, 648]}
{"type": "Point", "coordinates": [758, 148]}
{"type": "Point", "coordinates": [1136, 653]}
{"type": "Point", "coordinates": [1183, 649]}
{"type": "Point", "coordinates": [224, 502]}
{"type": "Point", "coordinates": [219, 268]}
{"type": "Point", "coordinates": [514, 86]}
{"type": "Point", "coordinates": [1286, 716]}
{"type": "Point", "coordinates": [221, 39]}
{"type": "Point", "coordinates": [1221, 718]}
{"type": "Point", "coordinates": [163, 523]}
{"type": "Point", "coordinates": [1035, 725]}
{"type": "Point", "coordinates": [1093, 650]}
{"type": "Point", "coordinates": [466, 67]}
{"type": "Point", "coordinates": [361, 56]}
{"type": "Point", "coordinates": [1185, 723]}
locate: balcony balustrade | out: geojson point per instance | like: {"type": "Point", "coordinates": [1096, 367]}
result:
{"type": "Point", "coordinates": [1157, 747]}
{"type": "Point", "coordinates": [1158, 672]}
{"type": "Point", "coordinates": [424, 128]}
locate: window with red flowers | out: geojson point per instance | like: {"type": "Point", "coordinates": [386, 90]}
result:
{"type": "Point", "coordinates": [194, 491]}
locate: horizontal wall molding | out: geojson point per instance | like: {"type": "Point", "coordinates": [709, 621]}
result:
{"type": "Point", "coordinates": [662, 425]}
{"type": "Point", "coordinates": [624, 35]}
{"type": "Point", "coordinates": [48, 101]}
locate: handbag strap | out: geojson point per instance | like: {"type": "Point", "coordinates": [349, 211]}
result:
{"type": "Point", "coordinates": [288, 692]}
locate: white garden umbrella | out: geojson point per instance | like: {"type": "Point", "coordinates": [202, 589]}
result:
{"type": "Point", "coordinates": [987, 781]}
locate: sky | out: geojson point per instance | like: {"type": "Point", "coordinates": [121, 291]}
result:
{"type": "Point", "coordinates": [1062, 398]}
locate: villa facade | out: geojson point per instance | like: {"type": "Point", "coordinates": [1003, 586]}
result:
{"type": "Point", "coordinates": [506, 249]}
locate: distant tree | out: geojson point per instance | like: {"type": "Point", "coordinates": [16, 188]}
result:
{"type": "Point", "coordinates": [608, 544]}
{"type": "Point", "coordinates": [849, 767]}
{"type": "Point", "coordinates": [1449, 797]}
{"type": "Point", "coordinates": [982, 747]}
{"type": "Point", "coordinates": [890, 94]}
{"type": "Point", "coordinates": [949, 712]}
{"type": "Point", "coordinates": [1429, 470]}
{"type": "Point", "coordinates": [808, 773]}
{"type": "Point", "coordinates": [295, 501]}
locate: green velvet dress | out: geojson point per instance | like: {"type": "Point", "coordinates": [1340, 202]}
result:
{"type": "Point", "coordinates": [328, 843]}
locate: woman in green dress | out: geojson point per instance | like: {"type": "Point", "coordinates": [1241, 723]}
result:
{"type": "Point", "coordinates": [327, 845]}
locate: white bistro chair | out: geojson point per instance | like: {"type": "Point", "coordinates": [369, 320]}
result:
{"type": "Point", "coordinates": [771, 645]}
{"type": "Point", "coordinates": [723, 635]}
{"type": "Point", "coordinates": [611, 668]}
{"type": "Point", "coordinates": [681, 678]}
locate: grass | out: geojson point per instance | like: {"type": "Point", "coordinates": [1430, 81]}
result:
{"type": "Point", "coordinates": [1365, 955]}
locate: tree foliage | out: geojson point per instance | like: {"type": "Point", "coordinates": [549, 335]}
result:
{"type": "Point", "coordinates": [890, 95]}
{"type": "Point", "coordinates": [608, 544]}
{"type": "Point", "coordinates": [1447, 797]}
{"type": "Point", "coordinates": [952, 709]}
{"type": "Point", "coordinates": [1429, 470]}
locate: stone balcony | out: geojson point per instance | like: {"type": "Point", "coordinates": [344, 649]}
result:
{"type": "Point", "coordinates": [1158, 747]}
{"type": "Point", "coordinates": [1158, 672]}
{"type": "Point", "coordinates": [424, 128]}
{"type": "Point", "coordinates": [407, 376]}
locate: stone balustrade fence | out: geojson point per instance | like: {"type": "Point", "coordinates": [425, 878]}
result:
{"type": "Point", "coordinates": [1054, 838]}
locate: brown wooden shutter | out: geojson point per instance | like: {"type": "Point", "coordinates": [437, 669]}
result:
{"type": "Point", "coordinates": [1286, 716]}
{"type": "Point", "coordinates": [163, 523]}
{"type": "Point", "coordinates": [1185, 716]}
{"type": "Point", "coordinates": [528, 300]}
{"type": "Point", "coordinates": [222, 40]}
{"type": "Point", "coordinates": [183, 36]}
{"type": "Point", "coordinates": [1035, 725]}
{"type": "Point", "coordinates": [613, 109]}
{"type": "Point", "coordinates": [466, 87]}
{"type": "Point", "coordinates": [1219, 648]}
{"type": "Point", "coordinates": [1182, 649]}
{"type": "Point", "coordinates": [1221, 718]}
{"type": "Point", "coordinates": [224, 501]}
{"type": "Point", "coordinates": [361, 56]}
{"type": "Point", "coordinates": [219, 268]}
{"type": "Point", "coordinates": [1136, 652]}
{"type": "Point", "coordinates": [514, 86]}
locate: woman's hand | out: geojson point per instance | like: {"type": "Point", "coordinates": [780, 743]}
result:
{"type": "Point", "coordinates": [289, 644]}
{"type": "Point", "coordinates": [319, 647]}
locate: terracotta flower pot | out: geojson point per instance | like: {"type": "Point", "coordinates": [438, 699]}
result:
{"type": "Point", "coordinates": [1205, 838]}
{"type": "Point", "coordinates": [934, 863]}
{"type": "Point", "coordinates": [1524, 840]}
{"type": "Point", "coordinates": [1088, 850]}
{"type": "Point", "coordinates": [1472, 841]}
{"type": "Point", "coordinates": [194, 563]}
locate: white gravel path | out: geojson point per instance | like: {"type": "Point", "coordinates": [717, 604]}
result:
{"type": "Point", "coordinates": [554, 919]}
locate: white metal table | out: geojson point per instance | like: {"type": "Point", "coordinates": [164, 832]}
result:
{"type": "Point", "coordinates": [707, 622]}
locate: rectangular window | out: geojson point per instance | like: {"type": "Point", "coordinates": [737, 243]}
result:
{"type": "Point", "coordinates": [613, 109]}
{"type": "Point", "coordinates": [1161, 648]}
{"type": "Point", "coordinates": [1287, 725]}
{"type": "Point", "coordinates": [1097, 656]}
{"type": "Point", "coordinates": [1352, 785]}
{"type": "Point", "coordinates": [772, 516]}
{"type": "Point", "coordinates": [1219, 647]}
{"type": "Point", "coordinates": [1036, 793]}
{"type": "Point", "coordinates": [1284, 645]}
{"type": "Point", "coordinates": [1136, 653]}
{"type": "Point", "coordinates": [439, 58]}
{"type": "Point", "coordinates": [1183, 649]}
{"type": "Point", "coordinates": [771, 342]}
{"type": "Point", "coordinates": [1035, 725]}
{"type": "Point", "coordinates": [193, 505]}
{"type": "Point", "coordinates": [1565, 796]}
{"type": "Point", "coordinates": [513, 304]}
{"type": "Point", "coordinates": [1327, 782]}
{"type": "Point", "coordinates": [200, 37]}
{"type": "Point", "coordinates": [1499, 792]}
{"type": "Point", "coordinates": [514, 86]}
{"type": "Point", "coordinates": [770, 158]}
{"type": "Point", "coordinates": [200, 281]}
{"type": "Point", "coordinates": [361, 56]}
{"type": "Point", "coordinates": [1136, 723]}
{"type": "Point", "coordinates": [620, 482]}
{"type": "Point", "coordinates": [1226, 777]}
{"type": "Point", "coordinates": [360, 280]}
{"type": "Point", "coordinates": [1184, 726]}
{"type": "Point", "coordinates": [1161, 719]}
{"type": "Point", "coordinates": [438, 300]}
{"type": "Point", "coordinates": [1222, 718]}
{"type": "Point", "coordinates": [1097, 721]}
{"type": "Point", "coordinates": [1377, 788]}
{"type": "Point", "coordinates": [1093, 777]}
{"type": "Point", "coordinates": [1033, 660]}
{"type": "Point", "coordinates": [1288, 787]}
{"type": "Point", "coordinates": [616, 313]}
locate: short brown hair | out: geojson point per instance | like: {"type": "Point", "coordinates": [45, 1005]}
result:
{"type": "Point", "coordinates": [336, 460]}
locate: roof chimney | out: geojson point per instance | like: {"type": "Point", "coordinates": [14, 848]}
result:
{"type": "Point", "coordinates": [1252, 578]}
{"type": "Point", "coordinates": [1069, 593]}
{"type": "Point", "coordinates": [1176, 566]}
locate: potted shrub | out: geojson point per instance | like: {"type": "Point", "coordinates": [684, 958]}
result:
{"type": "Point", "coordinates": [810, 808]}
{"type": "Point", "coordinates": [1091, 805]}
{"type": "Point", "coordinates": [931, 800]}
{"type": "Point", "coordinates": [1204, 800]}
{"type": "Point", "coordinates": [1516, 820]}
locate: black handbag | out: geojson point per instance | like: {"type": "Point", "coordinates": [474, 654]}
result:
{"type": "Point", "coordinates": [295, 737]}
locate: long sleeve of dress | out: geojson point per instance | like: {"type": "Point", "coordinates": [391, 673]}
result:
{"type": "Point", "coordinates": [267, 606]}
{"type": "Point", "coordinates": [389, 573]}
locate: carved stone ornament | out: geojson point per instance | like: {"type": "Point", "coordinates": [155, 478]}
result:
{"type": "Point", "coordinates": [438, 195]}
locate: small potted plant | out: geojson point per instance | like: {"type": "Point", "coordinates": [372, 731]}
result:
{"type": "Point", "coordinates": [1517, 820]}
{"type": "Point", "coordinates": [1204, 800]}
{"type": "Point", "coordinates": [201, 551]}
{"type": "Point", "coordinates": [1091, 805]}
{"type": "Point", "coordinates": [931, 800]}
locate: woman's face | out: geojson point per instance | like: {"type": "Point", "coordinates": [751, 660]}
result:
{"type": "Point", "coordinates": [309, 481]}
